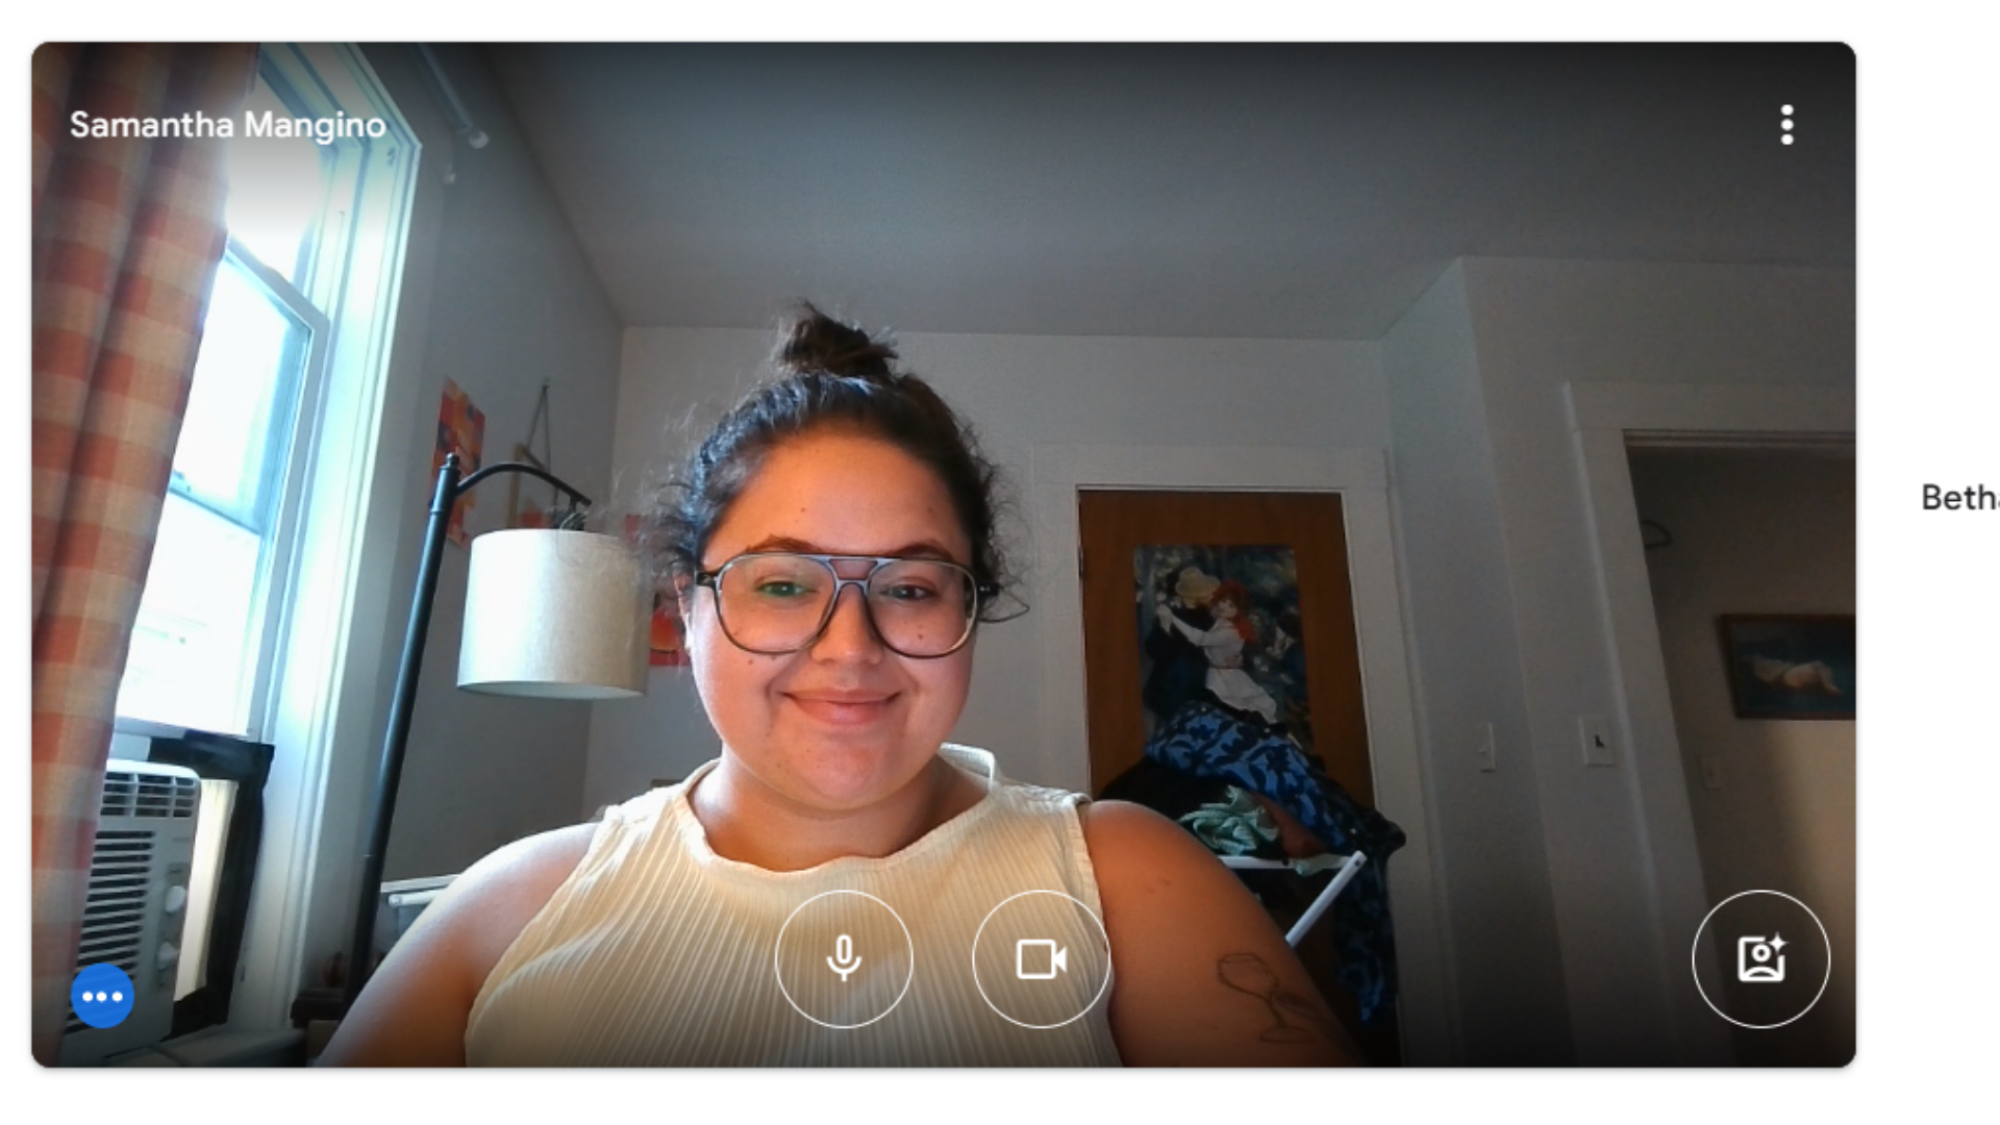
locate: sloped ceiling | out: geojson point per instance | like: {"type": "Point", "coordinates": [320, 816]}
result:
{"type": "Point", "coordinates": [1288, 191]}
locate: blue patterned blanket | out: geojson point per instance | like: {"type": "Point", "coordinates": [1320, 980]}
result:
{"type": "Point", "coordinates": [1205, 741]}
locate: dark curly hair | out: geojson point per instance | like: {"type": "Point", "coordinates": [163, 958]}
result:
{"type": "Point", "coordinates": [832, 377]}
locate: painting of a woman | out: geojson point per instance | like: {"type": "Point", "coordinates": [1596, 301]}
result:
{"type": "Point", "coordinates": [1222, 643]}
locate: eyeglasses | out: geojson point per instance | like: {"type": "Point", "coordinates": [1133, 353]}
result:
{"type": "Point", "coordinates": [778, 602]}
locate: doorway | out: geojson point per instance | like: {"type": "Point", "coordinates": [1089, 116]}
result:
{"type": "Point", "coordinates": [1764, 533]}
{"type": "Point", "coordinates": [1360, 478]}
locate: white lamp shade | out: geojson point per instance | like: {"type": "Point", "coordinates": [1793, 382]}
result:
{"type": "Point", "coordinates": [555, 615]}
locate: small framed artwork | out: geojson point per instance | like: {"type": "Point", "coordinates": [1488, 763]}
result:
{"type": "Point", "coordinates": [668, 645]}
{"type": "Point", "coordinates": [461, 430]}
{"type": "Point", "coordinates": [1789, 666]}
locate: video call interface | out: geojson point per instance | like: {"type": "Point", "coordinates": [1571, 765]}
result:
{"type": "Point", "coordinates": [1660, 873]}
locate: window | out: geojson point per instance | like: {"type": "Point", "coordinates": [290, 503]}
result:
{"type": "Point", "coordinates": [263, 613]}
{"type": "Point", "coordinates": [206, 640]}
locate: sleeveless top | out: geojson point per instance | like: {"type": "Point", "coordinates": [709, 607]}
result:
{"type": "Point", "coordinates": [981, 944]}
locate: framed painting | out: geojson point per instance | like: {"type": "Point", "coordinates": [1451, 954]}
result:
{"type": "Point", "coordinates": [461, 430]}
{"type": "Point", "coordinates": [668, 644]}
{"type": "Point", "coordinates": [1220, 625]}
{"type": "Point", "coordinates": [1789, 666]}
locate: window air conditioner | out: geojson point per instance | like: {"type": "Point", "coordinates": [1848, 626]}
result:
{"type": "Point", "coordinates": [138, 900]}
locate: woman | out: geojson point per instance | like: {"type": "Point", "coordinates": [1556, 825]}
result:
{"type": "Point", "coordinates": [744, 916]}
{"type": "Point", "coordinates": [1223, 644]}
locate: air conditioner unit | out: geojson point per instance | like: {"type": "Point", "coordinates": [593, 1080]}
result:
{"type": "Point", "coordinates": [138, 901]}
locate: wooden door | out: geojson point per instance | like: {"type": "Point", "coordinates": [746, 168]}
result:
{"type": "Point", "coordinates": [1123, 533]}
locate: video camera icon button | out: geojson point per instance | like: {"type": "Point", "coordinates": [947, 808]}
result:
{"type": "Point", "coordinates": [1043, 951]}
{"type": "Point", "coordinates": [1041, 959]}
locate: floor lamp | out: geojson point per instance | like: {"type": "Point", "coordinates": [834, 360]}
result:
{"type": "Point", "coordinates": [549, 613]}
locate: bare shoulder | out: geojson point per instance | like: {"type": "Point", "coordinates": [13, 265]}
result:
{"type": "Point", "coordinates": [1127, 832]}
{"type": "Point", "coordinates": [1204, 978]}
{"type": "Point", "coordinates": [413, 1011]}
{"type": "Point", "coordinates": [1140, 856]}
{"type": "Point", "coordinates": [503, 891]}
{"type": "Point", "coordinates": [1149, 867]}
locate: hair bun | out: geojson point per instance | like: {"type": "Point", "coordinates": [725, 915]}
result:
{"type": "Point", "coordinates": [817, 342]}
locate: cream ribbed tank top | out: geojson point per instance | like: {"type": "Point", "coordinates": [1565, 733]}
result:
{"type": "Point", "coordinates": [658, 952]}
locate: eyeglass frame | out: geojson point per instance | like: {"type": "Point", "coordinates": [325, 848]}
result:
{"type": "Point", "coordinates": [981, 593]}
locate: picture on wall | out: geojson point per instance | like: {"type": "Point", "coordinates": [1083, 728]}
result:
{"type": "Point", "coordinates": [668, 645]}
{"type": "Point", "coordinates": [1220, 625]}
{"type": "Point", "coordinates": [1789, 666]}
{"type": "Point", "coordinates": [461, 430]}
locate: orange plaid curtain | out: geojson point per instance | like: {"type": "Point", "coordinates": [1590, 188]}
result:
{"type": "Point", "coordinates": [127, 234]}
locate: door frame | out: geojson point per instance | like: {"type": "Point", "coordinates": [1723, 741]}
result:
{"type": "Point", "coordinates": [1604, 418]}
{"type": "Point", "coordinates": [1361, 477]}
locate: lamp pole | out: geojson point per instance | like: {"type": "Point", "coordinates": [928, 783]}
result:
{"type": "Point", "coordinates": [361, 948]}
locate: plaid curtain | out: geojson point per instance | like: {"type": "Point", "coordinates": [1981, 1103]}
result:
{"type": "Point", "coordinates": [127, 234]}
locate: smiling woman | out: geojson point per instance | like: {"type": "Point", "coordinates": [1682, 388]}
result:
{"type": "Point", "coordinates": [840, 866]}
{"type": "Point", "coordinates": [842, 722]}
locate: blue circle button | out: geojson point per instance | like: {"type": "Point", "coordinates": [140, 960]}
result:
{"type": "Point", "coordinates": [101, 995]}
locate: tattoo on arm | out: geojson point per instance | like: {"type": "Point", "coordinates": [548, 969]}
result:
{"type": "Point", "coordinates": [1247, 973]}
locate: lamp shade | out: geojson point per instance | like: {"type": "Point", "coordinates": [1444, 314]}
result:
{"type": "Point", "coordinates": [554, 615]}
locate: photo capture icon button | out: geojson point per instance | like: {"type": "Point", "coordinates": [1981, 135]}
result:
{"type": "Point", "coordinates": [1761, 959]}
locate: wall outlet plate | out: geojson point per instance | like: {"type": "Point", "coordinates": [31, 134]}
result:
{"type": "Point", "coordinates": [1594, 731]}
{"type": "Point", "coordinates": [1711, 771]}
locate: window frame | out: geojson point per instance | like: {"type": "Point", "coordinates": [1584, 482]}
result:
{"type": "Point", "coordinates": [323, 630]}
{"type": "Point", "coordinates": [276, 571]}
{"type": "Point", "coordinates": [325, 694]}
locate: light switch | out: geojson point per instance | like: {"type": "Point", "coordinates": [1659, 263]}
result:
{"type": "Point", "coordinates": [1598, 747]}
{"type": "Point", "coordinates": [1487, 758]}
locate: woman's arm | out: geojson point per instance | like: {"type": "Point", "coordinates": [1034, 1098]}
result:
{"type": "Point", "coordinates": [1172, 622]}
{"type": "Point", "coordinates": [1203, 978]}
{"type": "Point", "coordinates": [1223, 646]}
{"type": "Point", "coordinates": [413, 1011]}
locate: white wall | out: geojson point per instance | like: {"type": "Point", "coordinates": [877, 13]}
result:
{"type": "Point", "coordinates": [513, 303]}
{"type": "Point", "coordinates": [496, 296]}
{"type": "Point", "coordinates": [1761, 532]}
{"type": "Point", "coordinates": [1487, 825]}
{"type": "Point", "coordinates": [1019, 392]}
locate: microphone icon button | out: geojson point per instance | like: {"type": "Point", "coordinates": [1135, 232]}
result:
{"type": "Point", "coordinates": [843, 960]}
{"type": "Point", "coordinates": [844, 990]}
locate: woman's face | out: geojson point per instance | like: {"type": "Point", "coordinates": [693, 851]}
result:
{"type": "Point", "coordinates": [1224, 608]}
{"type": "Point", "coordinates": [843, 723]}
